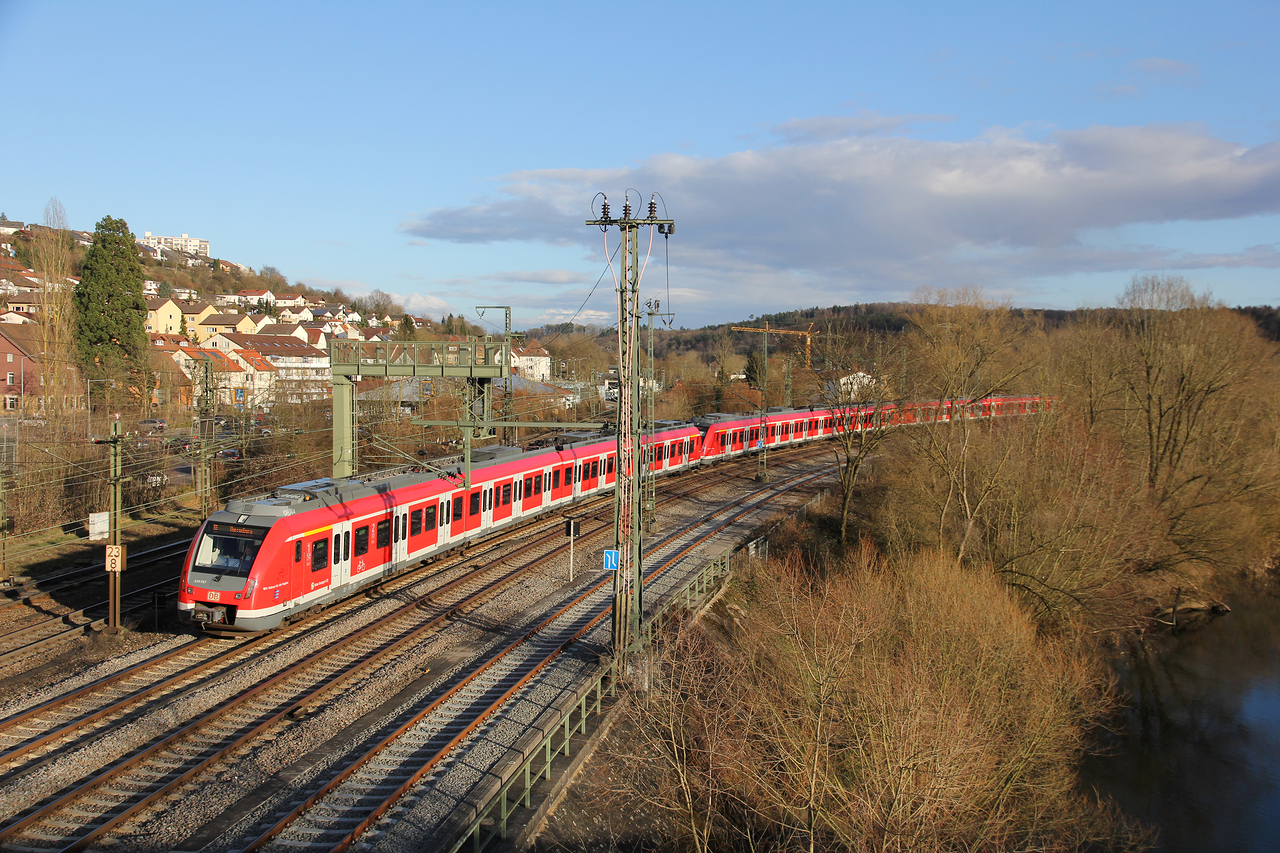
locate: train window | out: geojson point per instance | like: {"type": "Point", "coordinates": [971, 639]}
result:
{"type": "Point", "coordinates": [429, 519]}
{"type": "Point", "coordinates": [475, 503]}
{"type": "Point", "coordinates": [384, 533]}
{"type": "Point", "coordinates": [395, 528]}
{"type": "Point", "coordinates": [528, 486]}
{"type": "Point", "coordinates": [457, 508]}
{"type": "Point", "coordinates": [297, 551]}
{"type": "Point", "coordinates": [320, 554]}
{"type": "Point", "coordinates": [610, 460]}
{"type": "Point", "coordinates": [404, 526]}
{"type": "Point", "coordinates": [595, 468]}
{"type": "Point", "coordinates": [346, 545]}
{"type": "Point", "coordinates": [362, 541]}
{"type": "Point", "coordinates": [506, 494]}
{"type": "Point", "coordinates": [555, 479]}
{"type": "Point", "coordinates": [337, 548]}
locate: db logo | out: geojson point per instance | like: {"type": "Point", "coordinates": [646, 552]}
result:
{"type": "Point", "coordinates": [214, 596]}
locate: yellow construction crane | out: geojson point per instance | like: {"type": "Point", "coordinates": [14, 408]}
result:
{"type": "Point", "coordinates": [808, 338]}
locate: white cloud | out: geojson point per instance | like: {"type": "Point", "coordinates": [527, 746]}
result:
{"type": "Point", "coordinates": [858, 218]}
{"type": "Point", "coordinates": [1162, 70]}
{"type": "Point", "coordinates": [865, 123]}
{"type": "Point", "coordinates": [538, 277]}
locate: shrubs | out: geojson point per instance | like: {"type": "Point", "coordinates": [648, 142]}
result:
{"type": "Point", "coordinates": [905, 705]}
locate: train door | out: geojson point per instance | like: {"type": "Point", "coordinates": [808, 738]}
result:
{"type": "Point", "coordinates": [457, 520]}
{"type": "Point", "coordinates": [422, 528]}
{"type": "Point", "coordinates": [486, 506]}
{"type": "Point", "coordinates": [382, 541]}
{"type": "Point", "coordinates": [340, 556]}
{"type": "Point", "coordinates": [502, 501]}
{"type": "Point", "coordinates": [400, 536]}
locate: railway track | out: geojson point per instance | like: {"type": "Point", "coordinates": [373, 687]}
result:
{"type": "Point", "coordinates": [295, 675]}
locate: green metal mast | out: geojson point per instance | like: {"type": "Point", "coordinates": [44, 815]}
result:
{"type": "Point", "coordinates": [629, 580]}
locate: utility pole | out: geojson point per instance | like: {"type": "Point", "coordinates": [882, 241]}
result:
{"type": "Point", "coordinates": [628, 579]}
{"type": "Point", "coordinates": [114, 553]}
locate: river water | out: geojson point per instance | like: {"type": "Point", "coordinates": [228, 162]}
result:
{"type": "Point", "coordinates": [1199, 751]}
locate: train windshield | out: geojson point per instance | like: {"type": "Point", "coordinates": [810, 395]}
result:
{"type": "Point", "coordinates": [228, 549]}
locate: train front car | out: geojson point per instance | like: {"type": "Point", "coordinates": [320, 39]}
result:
{"type": "Point", "coordinates": [226, 579]}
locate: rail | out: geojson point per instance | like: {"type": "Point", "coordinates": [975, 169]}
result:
{"type": "Point", "coordinates": [516, 790]}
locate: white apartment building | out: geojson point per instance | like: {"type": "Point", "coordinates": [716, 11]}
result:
{"type": "Point", "coordinates": [185, 243]}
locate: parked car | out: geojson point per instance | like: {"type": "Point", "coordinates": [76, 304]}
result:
{"type": "Point", "coordinates": [230, 454]}
{"type": "Point", "coordinates": [152, 425]}
{"type": "Point", "coordinates": [181, 444]}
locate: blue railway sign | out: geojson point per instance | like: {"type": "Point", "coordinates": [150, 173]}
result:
{"type": "Point", "coordinates": [610, 561]}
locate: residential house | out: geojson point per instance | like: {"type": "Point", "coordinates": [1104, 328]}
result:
{"type": "Point", "coordinates": [290, 300]}
{"type": "Point", "coordinates": [217, 324]}
{"type": "Point", "coordinates": [28, 303]}
{"type": "Point", "coordinates": [193, 314]}
{"type": "Point", "coordinates": [296, 315]}
{"type": "Point", "coordinates": [293, 330]}
{"type": "Point", "coordinates": [227, 375]}
{"type": "Point", "coordinates": [531, 362]}
{"type": "Point", "coordinates": [20, 369]}
{"type": "Point", "coordinates": [302, 371]}
{"type": "Point", "coordinates": [252, 297]}
{"type": "Point", "coordinates": [18, 317]}
{"type": "Point", "coordinates": [164, 316]}
{"type": "Point", "coordinates": [261, 320]}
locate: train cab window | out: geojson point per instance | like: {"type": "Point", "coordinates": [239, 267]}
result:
{"type": "Point", "coordinates": [475, 503]}
{"type": "Point", "coordinates": [506, 494]}
{"type": "Point", "coordinates": [384, 533]}
{"type": "Point", "coordinates": [429, 520]}
{"type": "Point", "coordinates": [297, 551]}
{"type": "Point", "coordinates": [555, 479]}
{"type": "Point", "coordinates": [337, 548]}
{"type": "Point", "coordinates": [415, 522]}
{"type": "Point", "coordinates": [346, 545]}
{"type": "Point", "coordinates": [457, 508]}
{"type": "Point", "coordinates": [320, 554]}
{"type": "Point", "coordinates": [362, 540]}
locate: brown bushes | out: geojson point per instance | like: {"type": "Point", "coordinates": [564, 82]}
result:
{"type": "Point", "coordinates": [905, 706]}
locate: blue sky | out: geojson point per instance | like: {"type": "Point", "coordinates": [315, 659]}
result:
{"type": "Point", "coordinates": [810, 153]}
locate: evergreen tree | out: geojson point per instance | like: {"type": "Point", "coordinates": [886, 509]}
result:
{"type": "Point", "coordinates": [755, 369]}
{"type": "Point", "coordinates": [407, 331]}
{"type": "Point", "coordinates": [111, 313]}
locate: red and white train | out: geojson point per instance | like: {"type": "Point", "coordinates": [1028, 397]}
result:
{"type": "Point", "coordinates": [264, 560]}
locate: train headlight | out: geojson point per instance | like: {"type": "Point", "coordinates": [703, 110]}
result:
{"type": "Point", "coordinates": [248, 588]}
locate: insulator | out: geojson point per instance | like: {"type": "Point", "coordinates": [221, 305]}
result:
{"type": "Point", "coordinates": [653, 209]}
{"type": "Point", "coordinates": [626, 210]}
{"type": "Point", "coordinates": [604, 209]}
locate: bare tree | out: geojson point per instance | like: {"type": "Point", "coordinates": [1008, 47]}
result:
{"type": "Point", "coordinates": [53, 254]}
{"type": "Point", "coordinates": [857, 387]}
